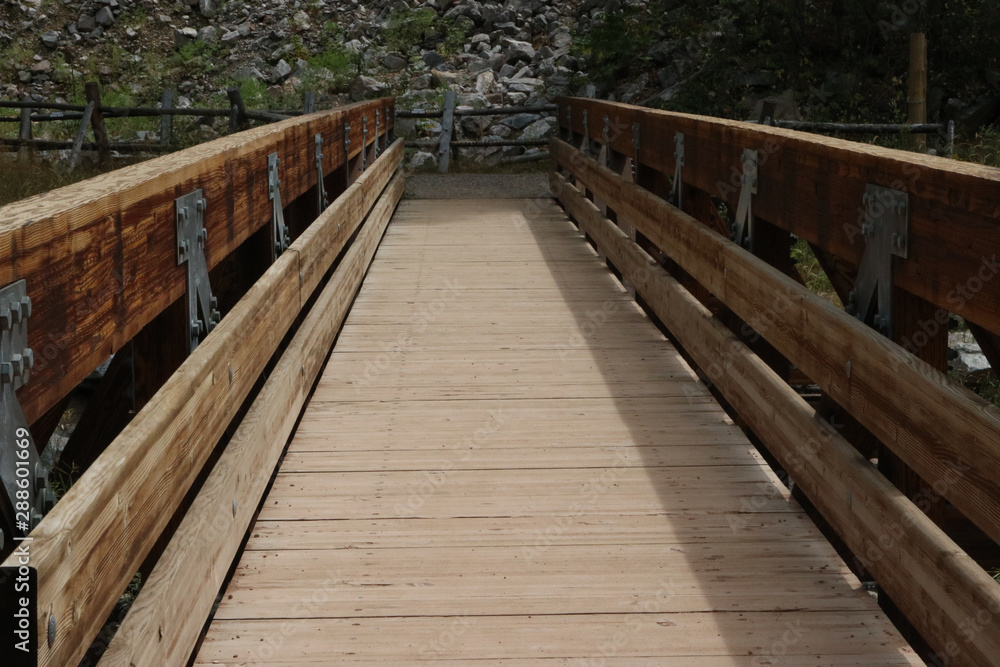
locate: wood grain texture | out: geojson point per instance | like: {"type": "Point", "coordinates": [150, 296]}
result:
{"type": "Point", "coordinates": [947, 434]}
{"type": "Point", "coordinates": [99, 256]}
{"type": "Point", "coordinates": [483, 477]}
{"type": "Point", "coordinates": [937, 584]}
{"type": "Point", "coordinates": [88, 548]}
{"type": "Point", "coordinates": [165, 621]}
{"type": "Point", "coordinates": [812, 186]}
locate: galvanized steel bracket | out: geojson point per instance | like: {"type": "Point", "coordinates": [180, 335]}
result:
{"type": "Point", "coordinates": [192, 237]}
{"type": "Point", "coordinates": [25, 480]}
{"type": "Point", "coordinates": [585, 146]}
{"type": "Point", "coordinates": [886, 229]}
{"type": "Point", "coordinates": [743, 229]}
{"type": "Point", "coordinates": [347, 155]}
{"type": "Point", "coordinates": [569, 123]}
{"type": "Point", "coordinates": [677, 187]}
{"type": "Point", "coordinates": [378, 122]}
{"type": "Point", "coordinates": [279, 230]}
{"type": "Point", "coordinates": [321, 199]}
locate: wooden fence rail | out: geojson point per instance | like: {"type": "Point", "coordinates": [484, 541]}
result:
{"type": "Point", "coordinates": [807, 185]}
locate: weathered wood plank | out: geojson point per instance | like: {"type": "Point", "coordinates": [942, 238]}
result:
{"type": "Point", "coordinates": [165, 621]}
{"type": "Point", "coordinates": [88, 548]}
{"type": "Point", "coordinates": [813, 185]}
{"type": "Point", "coordinates": [927, 574]}
{"type": "Point", "coordinates": [947, 434]}
{"type": "Point", "coordinates": [99, 256]}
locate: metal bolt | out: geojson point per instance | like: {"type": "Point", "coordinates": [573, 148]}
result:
{"type": "Point", "coordinates": [15, 313]}
{"type": "Point", "coordinates": [29, 358]}
{"type": "Point", "coordinates": [230, 375]}
{"type": "Point", "coordinates": [200, 205]}
{"type": "Point", "coordinates": [6, 373]}
{"type": "Point", "coordinates": [202, 237]}
{"type": "Point", "coordinates": [896, 240]}
{"type": "Point", "coordinates": [48, 500]}
{"type": "Point", "coordinates": [1, 539]}
{"type": "Point", "coordinates": [17, 365]}
{"type": "Point", "coordinates": [6, 321]}
{"type": "Point", "coordinates": [234, 507]}
{"type": "Point", "coordinates": [303, 369]}
{"type": "Point", "coordinates": [848, 369]}
{"type": "Point", "coordinates": [26, 306]}
{"type": "Point", "coordinates": [52, 630]}
{"type": "Point", "coordinates": [41, 474]}
{"type": "Point", "coordinates": [195, 328]}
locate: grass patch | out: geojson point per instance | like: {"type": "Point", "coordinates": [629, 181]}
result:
{"type": "Point", "coordinates": [812, 273]}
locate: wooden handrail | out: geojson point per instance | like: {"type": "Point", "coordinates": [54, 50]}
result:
{"type": "Point", "coordinates": [99, 256]}
{"type": "Point", "coordinates": [945, 593]}
{"type": "Point", "coordinates": [88, 548]}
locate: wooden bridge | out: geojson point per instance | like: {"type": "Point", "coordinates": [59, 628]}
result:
{"type": "Point", "coordinates": [609, 426]}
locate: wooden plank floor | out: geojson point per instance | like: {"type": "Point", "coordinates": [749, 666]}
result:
{"type": "Point", "coordinates": [505, 462]}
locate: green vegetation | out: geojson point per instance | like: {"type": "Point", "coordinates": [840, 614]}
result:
{"type": "Point", "coordinates": [199, 57]}
{"type": "Point", "coordinates": [412, 27]}
{"type": "Point", "coordinates": [617, 48]}
{"type": "Point", "coordinates": [812, 273]}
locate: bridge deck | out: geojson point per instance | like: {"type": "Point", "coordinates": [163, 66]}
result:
{"type": "Point", "coordinates": [505, 459]}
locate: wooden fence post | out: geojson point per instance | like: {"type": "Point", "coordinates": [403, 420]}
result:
{"type": "Point", "coordinates": [918, 86]}
{"type": "Point", "coordinates": [25, 133]}
{"type": "Point", "coordinates": [310, 102]}
{"type": "Point", "coordinates": [447, 126]}
{"type": "Point", "coordinates": [93, 93]}
{"type": "Point", "coordinates": [166, 120]}
{"type": "Point", "coordinates": [74, 157]}
{"type": "Point", "coordinates": [238, 118]}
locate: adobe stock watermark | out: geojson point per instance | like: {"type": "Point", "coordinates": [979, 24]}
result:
{"type": "Point", "coordinates": [461, 452]}
{"type": "Point", "coordinates": [391, 352]}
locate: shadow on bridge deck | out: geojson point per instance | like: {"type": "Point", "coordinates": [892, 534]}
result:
{"type": "Point", "coordinates": [506, 461]}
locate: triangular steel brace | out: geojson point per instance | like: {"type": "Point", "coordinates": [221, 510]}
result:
{"type": "Point", "coordinates": [604, 155]}
{"type": "Point", "coordinates": [743, 227]}
{"type": "Point", "coordinates": [321, 199]}
{"type": "Point", "coordinates": [378, 121]}
{"type": "Point", "coordinates": [886, 230]}
{"type": "Point", "coordinates": [25, 479]}
{"type": "Point", "coordinates": [192, 238]}
{"type": "Point", "coordinates": [585, 146]}
{"type": "Point", "coordinates": [677, 187]}
{"type": "Point", "coordinates": [280, 237]}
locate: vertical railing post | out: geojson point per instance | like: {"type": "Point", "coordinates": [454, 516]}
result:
{"type": "Point", "coordinates": [237, 119]}
{"type": "Point", "coordinates": [25, 133]}
{"type": "Point", "coordinates": [310, 102]}
{"type": "Point", "coordinates": [166, 120]}
{"type": "Point", "coordinates": [447, 126]}
{"type": "Point", "coordinates": [93, 94]}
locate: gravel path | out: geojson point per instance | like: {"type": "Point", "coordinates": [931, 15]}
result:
{"type": "Point", "coordinates": [477, 186]}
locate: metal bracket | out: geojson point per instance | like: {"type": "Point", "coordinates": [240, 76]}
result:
{"type": "Point", "coordinates": [635, 149]}
{"type": "Point", "coordinates": [743, 230]}
{"type": "Point", "coordinates": [886, 230]}
{"type": "Point", "coordinates": [24, 478]}
{"type": "Point", "coordinates": [321, 199]}
{"type": "Point", "coordinates": [192, 237]}
{"type": "Point", "coordinates": [364, 143]}
{"type": "Point", "coordinates": [569, 123]}
{"type": "Point", "coordinates": [279, 230]}
{"type": "Point", "coordinates": [604, 156]}
{"type": "Point", "coordinates": [347, 154]}
{"type": "Point", "coordinates": [585, 147]}
{"type": "Point", "coordinates": [677, 188]}
{"type": "Point", "coordinates": [378, 120]}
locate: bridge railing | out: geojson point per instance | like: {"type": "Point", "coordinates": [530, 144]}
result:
{"type": "Point", "coordinates": [260, 238]}
{"type": "Point", "coordinates": [698, 216]}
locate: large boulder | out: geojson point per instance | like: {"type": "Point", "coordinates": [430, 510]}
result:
{"type": "Point", "coordinates": [366, 87]}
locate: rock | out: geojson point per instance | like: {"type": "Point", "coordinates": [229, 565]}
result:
{"type": "Point", "coordinates": [248, 72]}
{"type": "Point", "coordinates": [86, 23]}
{"type": "Point", "coordinates": [480, 39]}
{"type": "Point", "coordinates": [104, 17]}
{"type": "Point", "coordinates": [968, 359]}
{"type": "Point", "coordinates": [562, 40]}
{"type": "Point", "coordinates": [301, 21]}
{"type": "Point", "coordinates": [231, 36]}
{"type": "Point", "coordinates": [422, 82]}
{"type": "Point", "coordinates": [394, 62]}
{"type": "Point", "coordinates": [540, 129]}
{"type": "Point", "coordinates": [472, 126]}
{"type": "Point", "coordinates": [486, 82]}
{"type": "Point", "coordinates": [366, 87]}
{"type": "Point", "coordinates": [439, 78]}
{"type": "Point", "coordinates": [207, 8]}
{"type": "Point", "coordinates": [41, 67]}
{"type": "Point", "coordinates": [432, 59]}
{"type": "Point", "coordinates": [209, 34]}
{"type": "Point", "coordinates": [786, 108]}
{"type": "Point", "coordinates": [521, 120]}
{"type": "Point", "coordinates": [282, 71]}
{"type": "Point", "coordinates": [423, 160]}
{"type": "Point", "coordinates": [184, 36]}
{"type": "Point", "coordinates": [244, 29]}
{"type": "Point", "coordinates": [518, 50]}
{"type": "Point", "coordinates": [501, 131]}
{"type": "Point", "coordinates": [50, 39]}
